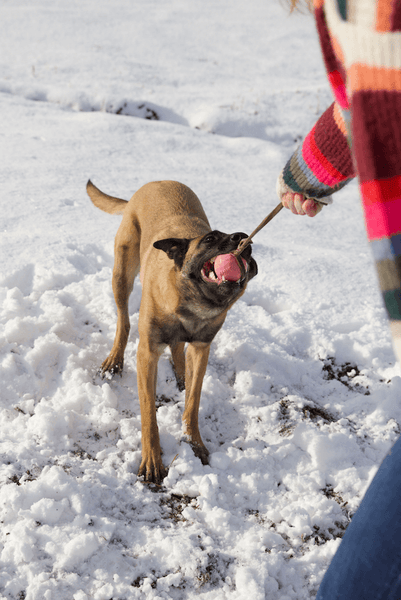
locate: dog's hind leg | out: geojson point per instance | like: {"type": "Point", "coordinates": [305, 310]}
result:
{"type": "Point", "coordinates": [126, 267]}
{"type": "Point", "coordinates": [196, 362]}
{"type": "Point", "coordinates": [178, 363]}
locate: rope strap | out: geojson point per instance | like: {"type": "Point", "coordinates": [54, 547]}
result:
{"type": "Point", "coordinates": [246, 241]}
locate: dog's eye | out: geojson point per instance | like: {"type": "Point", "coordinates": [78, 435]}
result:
{"type": "Point", "coordinates": [209, 239]}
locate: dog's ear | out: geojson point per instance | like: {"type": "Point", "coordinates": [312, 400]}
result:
{"type": "Point", "coordinates": [175, 248]}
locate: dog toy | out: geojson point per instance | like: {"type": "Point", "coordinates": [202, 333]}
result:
{"type": "Point", "coordinates": [226, 266]}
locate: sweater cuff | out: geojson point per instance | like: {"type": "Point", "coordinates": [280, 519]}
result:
{"type": "Point", "coordinates": [283, 188]}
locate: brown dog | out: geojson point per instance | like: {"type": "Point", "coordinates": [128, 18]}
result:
{"type": "Point", "coordinates": [165, 232]}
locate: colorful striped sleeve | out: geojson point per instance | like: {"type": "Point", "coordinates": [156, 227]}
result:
{"type": "Point", "coordinates": [322, 164]}
{"type": "Point", "coordinates": [365, 39]}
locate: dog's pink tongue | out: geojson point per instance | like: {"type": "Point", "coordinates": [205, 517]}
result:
{"type": "Point", "coordinates": [226, 266]}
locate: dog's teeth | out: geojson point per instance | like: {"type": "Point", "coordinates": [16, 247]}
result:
{"type": "Point", "coordinates": [212, 275]}
{"type": "Point", "coordinates": [223, 278]}
{"type": "Point", "coordinates": [212, 260]}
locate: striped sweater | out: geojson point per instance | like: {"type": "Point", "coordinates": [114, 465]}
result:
{"type": "Point", "coordinates": [360, 133]}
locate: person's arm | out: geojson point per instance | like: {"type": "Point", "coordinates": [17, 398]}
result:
{"type": "Point", "coordinates": [321, 166]}
{"type": "Point", "coordinates": [366, 42]}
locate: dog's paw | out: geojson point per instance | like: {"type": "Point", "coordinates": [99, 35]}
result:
{"type": "Point", "coordinates": [179, 377]}
{"type": "Point", "coordinates": [180, 384]}
{"type": "Point", "coordinates": [201, 452]}
{"type": "Point", "coordinates": [110, 367]}
{"type": "Point", "coordinates": [152, 471]}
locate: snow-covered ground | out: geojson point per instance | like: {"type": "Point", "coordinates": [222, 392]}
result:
{"type": "Point", "coordinates": [300, 399]}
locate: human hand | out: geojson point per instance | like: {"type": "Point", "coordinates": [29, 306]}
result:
{"type": "Point", "coordinates": [300, 205]}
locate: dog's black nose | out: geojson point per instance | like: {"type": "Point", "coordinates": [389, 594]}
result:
{"type": "Point", "coordinates": [237, 237]}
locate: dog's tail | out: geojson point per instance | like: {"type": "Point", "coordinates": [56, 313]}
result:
{"type": "Point", "coordinates": [114, 206]}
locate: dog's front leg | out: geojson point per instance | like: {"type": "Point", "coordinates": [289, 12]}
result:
{"type": "Point", "coordinates": [196, 362]}
{"type": "Point", "coordinates": [151, 465]}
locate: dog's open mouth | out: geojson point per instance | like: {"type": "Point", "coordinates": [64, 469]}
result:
{"type": "Point", "coordinates": [223, 268]}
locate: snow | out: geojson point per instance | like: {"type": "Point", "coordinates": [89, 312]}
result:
{"type": "Point", "coordinates": [300, 401]}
